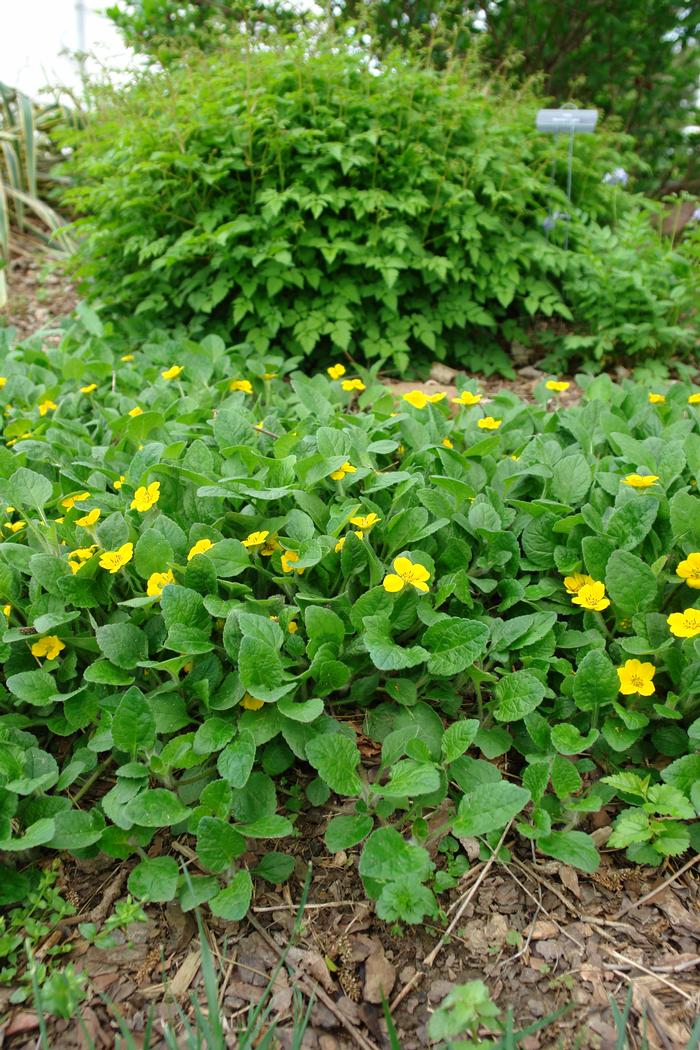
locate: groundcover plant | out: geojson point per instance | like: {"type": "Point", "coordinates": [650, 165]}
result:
{"type": "Point", "coordinates": [217, 571]}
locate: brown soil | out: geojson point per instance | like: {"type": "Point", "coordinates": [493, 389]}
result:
{"type": "Point", "coordinates": [38, 293]}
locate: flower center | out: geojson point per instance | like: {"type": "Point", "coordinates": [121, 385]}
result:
{"type": "Point", "coordinates": [637, 681]}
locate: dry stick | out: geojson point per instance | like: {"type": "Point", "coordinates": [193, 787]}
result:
{"type": "Point", "coordinates": [311, 988]}
{"type": "Point", "coordinates": [307, 907]}
{"type": "Point", "coordinates": [466, 899]}
{"type": "Point", "coordinates": [652, 893]}
{"type": "Point", "coordinates": [650, 973]}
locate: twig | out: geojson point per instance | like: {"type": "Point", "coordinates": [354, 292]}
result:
{"type": "Point", "coordinates": [652, 893]}
{"type": "Point", "coordinates": [312, 988]}
{"type": "Point", "coordinates": [466, 899]}
{"type": "Point", "coordinates": [650, 973]}
{"type": "Point", "coordinates": [400, 996]}
{"type": "Point", "coordinates": [307, 907]}
{"type": "Point", "coordinates": [548, 885]}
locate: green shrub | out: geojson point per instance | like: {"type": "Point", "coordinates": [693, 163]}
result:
{"type": "Point", "coordinates": [212, 571]}
{"type": "Point", "coordinates": [304, 202]}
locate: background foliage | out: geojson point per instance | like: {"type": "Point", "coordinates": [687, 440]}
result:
{"type": "Point", "coordinates": [637, 62]}
{"type": "Point", "coordinates": [301, 199]}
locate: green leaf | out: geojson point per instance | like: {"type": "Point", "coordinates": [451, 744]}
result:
{"type": "Point", "coordinates": [571, 847]}
{"type": "Point", "coordinates": [630, 583]}
{"type": "Point", "coordinates": [568, 740]}
{"type": "Point", "coordinates": [409, 779]}
{"type": "Point", "coordinates": [232, 903]}
{"type": "Point", "coordinates": [123, 644]}
{"type": "Point", "coordinates": [229, 558]}
{"type": "Point", "coordinates": [335, 758]}
{"type": "Point", "coordinates": [260, 668]}
{"type": "Point", "coordinates": [517, 694]}
{"type": "Point", "coordinates": [632, 825]}
{"type": "Point", "coordinates": [213, 734]}
{"type": "Point", "coordinates": [406, 900]}
{"type": "Point", "coordinates": [383, 650]}
{"type": "Point", "coordinates": [236, 761]}
{"type": "Point", "coordinates": [346, 831]}
{"type": "Point", "coordinates": [571, 479]}
{"type": "Point", "coordinates": [37, 834]}
{"type": "Point", "coordinates": [596, 681]}
{"type": "Point", "coordinates": [156, 808]}
{"type": "Point", "coordinates": [30, 489]}
{"type": "Point", "coordinates": [154, 879]}
{"type": "Point", "coordinates": [197, 891]}
{"type": "Point", "coordinates": [322, 626]}
{"type": "Point", "coordinates": [33, 687]}
{"type": "Point", "coordinates": [387, 857]}
{"type": "Point", "coordinates": [274, 867]}
{"type": "Point", "coordinates": [566, 779]}
{"type": "Point", "coordinates": [454, 644]}
{"type": "Point", "coordinates": [218, 844]}
{"type": "Point", "coordinates": [685, 520]}
{"type": "Point", "coordinates": [488, 808]}
{"type": "Point", "coordinates": [683, 773]}
{"type": "Point", "coordinates": [76, 829]}
{"type": "Point", "coordinates": [152, 553]}
{"type": "Point", "coordinates": [133, 725]}
{"type": "Point", "coordinates": [628, 526]}
{"type": "Point", "coordinates": [457, 738]}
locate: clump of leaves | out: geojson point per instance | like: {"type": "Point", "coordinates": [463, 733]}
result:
{"type": "Point", "coordinates": [290, 198]}
{"type": "Point", "coordinates": [215, 569]}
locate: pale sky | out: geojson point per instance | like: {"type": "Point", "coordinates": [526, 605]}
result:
{"type": "Point", "coordinates": [34, 33]}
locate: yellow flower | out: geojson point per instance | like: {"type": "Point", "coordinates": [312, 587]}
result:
{"type": "Point", "coordinates": [127, 357]}
{"type": "Point", "coordinates": [640, 481]}
{"type": "Point", "coordinates": [244, 385]}
{"type": "Point", "coordinates": [113, 561]}
{"type": "Point", "coordinates": [88, 389]}
{"type": "Point", "coordinates": [418, 399]}
{"type": "Point", "coordinates": [288, 559]}
{"type": "Point", "coordinates": [134, 412]}
{"type": "Point", "coordinates": [48, 647]}
{"type": "Point", "coordinates": [575, 582]}
{"type": "Point", "coordinates": [353, 384]}
{"type": "Point", "coordinates": [269, 547]}
{"type": "Point", "coordinates": [157, 581]}
{"type": "Point", "coordinates": [467, 398]}
{"type": "Point", "coordinates": [3, 381]}
{"type": "Point", "coordinates": [83, 553]}
{"type": "Point", "coordinates": [591, 596]}
{"type": "Point", "coordinates": [447, 443]}
{"type": "Point", "coordinates": [685, 624]}
{"type": "Point", "coordinates": [15, 526]}
{"type": "Point", "coordinates": [557, 385]}
{"type": "Point", "coordinates": [656, 399]}
{"type": "Point", "coordinates": [172, 373]}
{"type": "Point", "coordinates": [292, 627]}
{"type": "Point", "coordinates": [200, 547]}
{"type": "Point", "coordinates": [366, 522]}
{"type": "Point", "coordinates": [75, 566]}
{"type": "Point", "coordinates": [636, 677]}
{"type": "Point", "coordinates": [255, 539]}
{"type": "Point", "coordinates": [119, 482]}
{"type": "Point", "coordinates": [146, 497]}
{"type": "Point", "coordinates": [47, 406]}
{"type": "Point", "coordinates": [689, 570]}
{"type": "Point", "coordinates": [60, 520]}
{"type": "Point", "coordinates": [347, 468]}
{"type": "Point", "coordinates": [89, 519]}
{"type": "Point", "coordinates": [7, 609]}
{"type": "Point", "coordinates": [70, 501]}
{"type": "Point", "coordinates": [336, 371]}
{"type": "Point", "coordinates": [267, 376]}
{"type": "Point", "coordinates": [406, 572]}
{"type": "Point", "coordinates": [694, 399]}
{"type": "Point", "coordinates": [489, 423]}
{"type": "Point", "coordinates": [251, 703]}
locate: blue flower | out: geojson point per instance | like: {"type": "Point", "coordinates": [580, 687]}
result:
{"type": "Point", "coordinates": [616, 177]}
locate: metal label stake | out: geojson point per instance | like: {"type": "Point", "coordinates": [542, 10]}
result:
{"type": "Point", "coordinates": [571, 121]}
